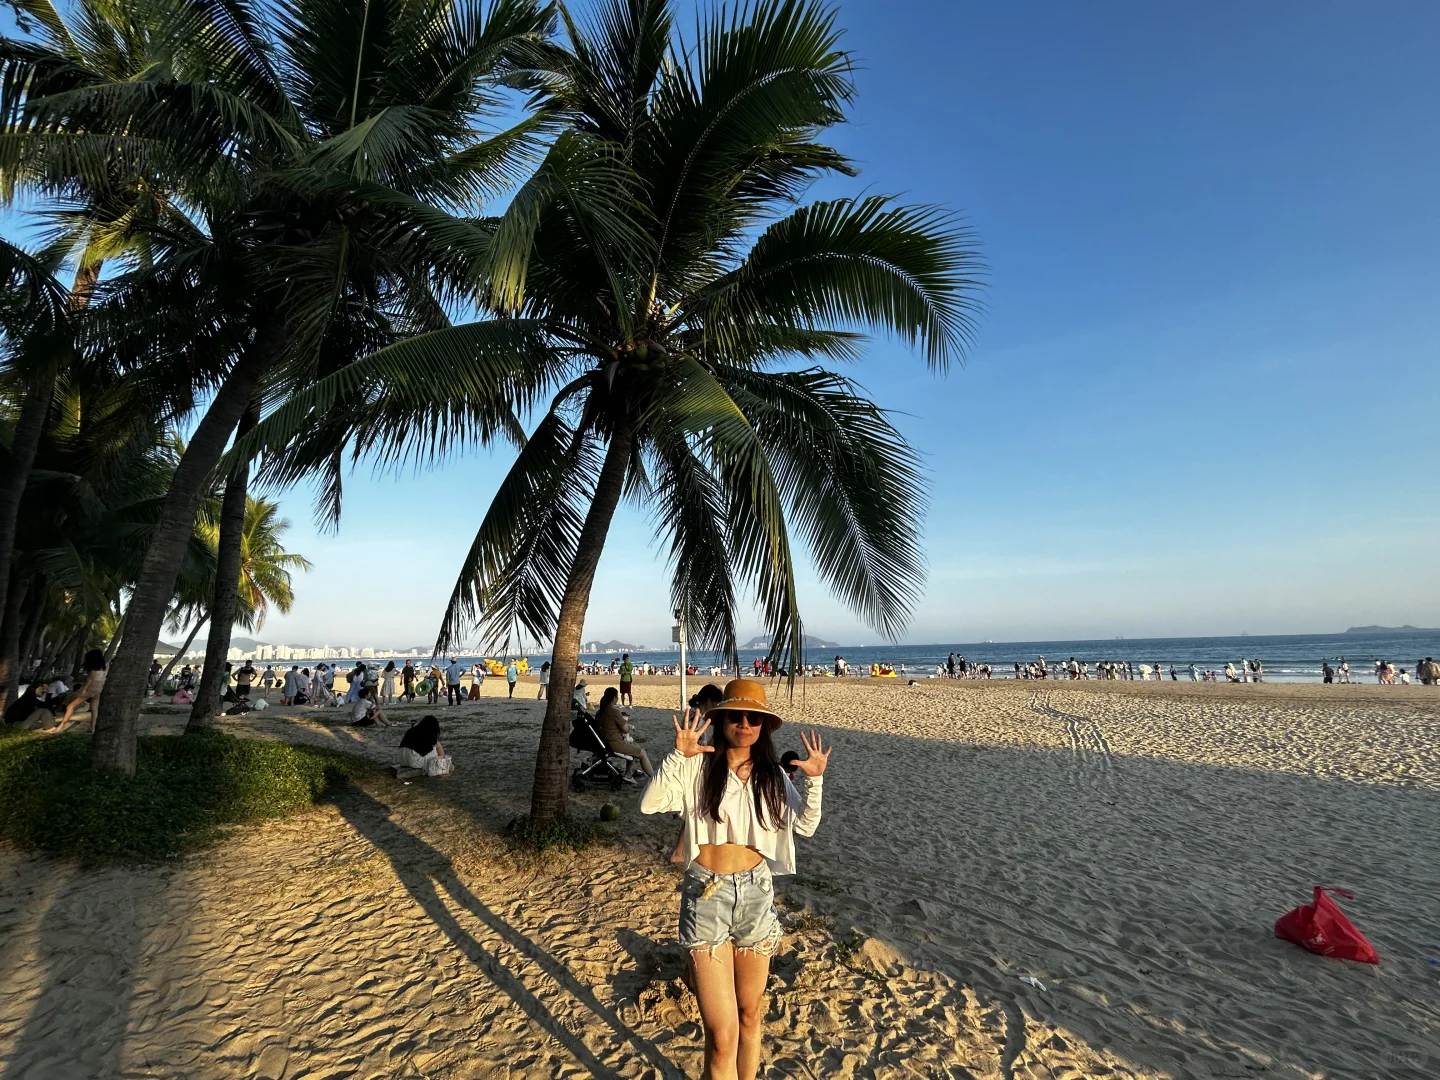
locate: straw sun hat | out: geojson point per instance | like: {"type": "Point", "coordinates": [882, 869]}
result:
{"type": "Point", "coordinates": [747, 696]}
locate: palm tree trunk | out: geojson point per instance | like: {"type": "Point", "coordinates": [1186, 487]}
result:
{"type": "Point", "coordinates": [115, 638]}
{"type": "Point", "coordinates": [117, 724]}
{"type": "Point", "coordinates": [550, 795]}
{"type": "Point", "coordinates": [31, 636]}
{"type": "Point", "coordinates": [10, 639]}
{"type": "Point", "coordinates": [29, 426]}
{"type": "Point", "coordinates": [226, 600]}
{"type": "Point", "coordinates": [165, 672]}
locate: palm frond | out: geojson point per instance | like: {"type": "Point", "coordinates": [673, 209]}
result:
{"type": "Point", "coordinates": [865, 263]}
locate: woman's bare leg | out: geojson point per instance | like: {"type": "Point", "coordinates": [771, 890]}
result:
{"type": "Point", "coordinates": [752, 971]}
{"type": "Point", "coordinates": [713, 971]}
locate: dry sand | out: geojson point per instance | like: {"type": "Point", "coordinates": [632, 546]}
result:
{"type": "Point", "coordinates": [1127, 845]}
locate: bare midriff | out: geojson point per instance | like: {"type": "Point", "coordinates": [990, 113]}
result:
{"type": "Point", "coordinates": [728, 858]}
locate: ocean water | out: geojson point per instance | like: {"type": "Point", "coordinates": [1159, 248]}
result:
{"type": "Point", "coordinates": [1286, 658]}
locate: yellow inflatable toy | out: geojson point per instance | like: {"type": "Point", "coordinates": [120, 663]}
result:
{"type": "Point", "coordinates": [497, 667]}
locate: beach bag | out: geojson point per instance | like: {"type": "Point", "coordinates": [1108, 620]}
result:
{"type": "Point", "coordinates": [439, 766]}
{"type": "Point", "coordinates": [1323, 928]}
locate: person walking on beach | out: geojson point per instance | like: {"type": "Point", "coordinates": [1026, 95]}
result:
{"type": "Point", "coordinates": [627, 680]}
{"type": "Point", "coordinates": [1344, 670]}
{"type": "Point", "coordinates": [320, 694]}
{"type": "Point", "coordinates": [477, 680]}
{"type": "Point", "coordinates": [544, 681]}
{"type": "Point", "coordinates": [436, 677]}
{"type": "Point", "coordinates": [453, 671]}
{"type": "Point", "coordinates": [292, 685]}
{"type": "Point", "coordinates": [512, 676]}
{"type": "Point", "coordinates": [741, 814]}
{"type": "Point", "coordinates": [267, 681]}
{"type": "Point", "coordinates": [407, 680]}
{"type": "Point", "coordinates": [387, 684]}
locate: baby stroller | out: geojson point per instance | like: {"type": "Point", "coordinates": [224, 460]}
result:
{"type": "Point", "coordinates": [604, 767]}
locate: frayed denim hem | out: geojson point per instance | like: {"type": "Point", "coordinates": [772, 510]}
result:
{"type": "Point", "coordinates": [769, 945]}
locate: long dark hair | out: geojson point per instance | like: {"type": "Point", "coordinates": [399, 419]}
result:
{"type": "Point", "coordinates": [766, 779]}
{"type": "Point", "coordinates": [94, 660]}
{"type": "Point", "coordinates": [608, 698]}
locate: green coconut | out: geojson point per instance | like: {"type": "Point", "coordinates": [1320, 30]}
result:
{"type": "Point", "coordinates": [609, 812]}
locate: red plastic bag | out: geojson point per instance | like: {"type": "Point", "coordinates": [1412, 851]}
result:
{"type": "Point", "coordinates": [1323, 928]}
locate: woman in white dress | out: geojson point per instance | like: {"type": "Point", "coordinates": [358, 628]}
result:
{"type": "Point", "coordinates": [387, 684]}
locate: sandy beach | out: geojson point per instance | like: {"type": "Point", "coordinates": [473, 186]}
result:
{"type": "Point", "coordinates": [1127, 845]}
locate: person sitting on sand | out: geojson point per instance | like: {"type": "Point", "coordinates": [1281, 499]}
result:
{"type": "Point", "coordinates": [614, 726]}
{"type": "Point", "coordinates": [89, 692]}
{"type": "Point", "coordinates": [32, 709]}
{"type": "Point", "coordinates": [741, 815]}
{"type": "Point", "coordinates": [365, 710]}
{"type": "Point", "coordinates": [420, 751]}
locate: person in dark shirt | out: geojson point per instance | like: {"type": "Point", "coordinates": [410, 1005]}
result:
{"type": "Point", "coordinates": [32, 708]}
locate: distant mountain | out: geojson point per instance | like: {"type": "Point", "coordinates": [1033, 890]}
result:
{"type": "Point", "coordinates": [809, 642]}
{"type": "Point", "coordinates": [244, 644]}
{"type": "Point", "coordinates": [1375, 631]}
{"type": "Point", "coordinates": [610, 646]}
{"type": "Point", "coordinates": [165, 649]}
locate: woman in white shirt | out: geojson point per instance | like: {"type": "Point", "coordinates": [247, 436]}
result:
{"type": "Point", "coordinates": [741, 814]}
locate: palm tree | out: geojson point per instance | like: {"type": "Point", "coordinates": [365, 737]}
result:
{"type": "Point", "coordinates": [264, 575]}
{"type": "Point", "coordinates": [675, 361]}
{"type": "Point", "coordinates": [325, 168]}
{"type": "Point", "coordinates": [264, 580]}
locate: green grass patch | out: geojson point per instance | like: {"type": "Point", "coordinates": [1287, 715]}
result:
{"type": "Point", "coordinates": [185, 791]}
{"type": "Point", "coordinates": [563, 832]}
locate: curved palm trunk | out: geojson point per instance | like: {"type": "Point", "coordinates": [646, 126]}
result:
{"type": "Point", "coordinates": [115, 639]}
{"type": "Point", "coordinates": [10, 626]}
{"type": "Point", "coordinates": [29, 426]}
{"type": "Point", "coordinates": [165, 671]}
{"type": "Point", "coordinates": [549, 797]}
{"type": "Point", "coordinates": [226, 601]}
{"type": "Point", "coordinates": [117, 724]}
{"type": "Point", "coordinates": [31, 639]}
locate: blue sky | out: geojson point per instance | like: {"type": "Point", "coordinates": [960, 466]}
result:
{"type": "Point", "coordinates": [1202, 399]}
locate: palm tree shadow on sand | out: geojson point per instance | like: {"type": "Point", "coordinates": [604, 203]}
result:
{"type": "Point", "coordinates": [425, 872]}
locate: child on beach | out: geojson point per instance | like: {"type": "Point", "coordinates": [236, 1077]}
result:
{"type": "Point", "coordinates": [741, 815]}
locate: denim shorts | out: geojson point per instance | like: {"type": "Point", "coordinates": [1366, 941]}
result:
{"type": "Point", "coordinates": [739, 908]}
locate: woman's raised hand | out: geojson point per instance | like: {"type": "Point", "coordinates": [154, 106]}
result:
{"type": "Point", "coordinates": [817, 756]}
{"type": "Point", "coordinates": [687, 735]}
